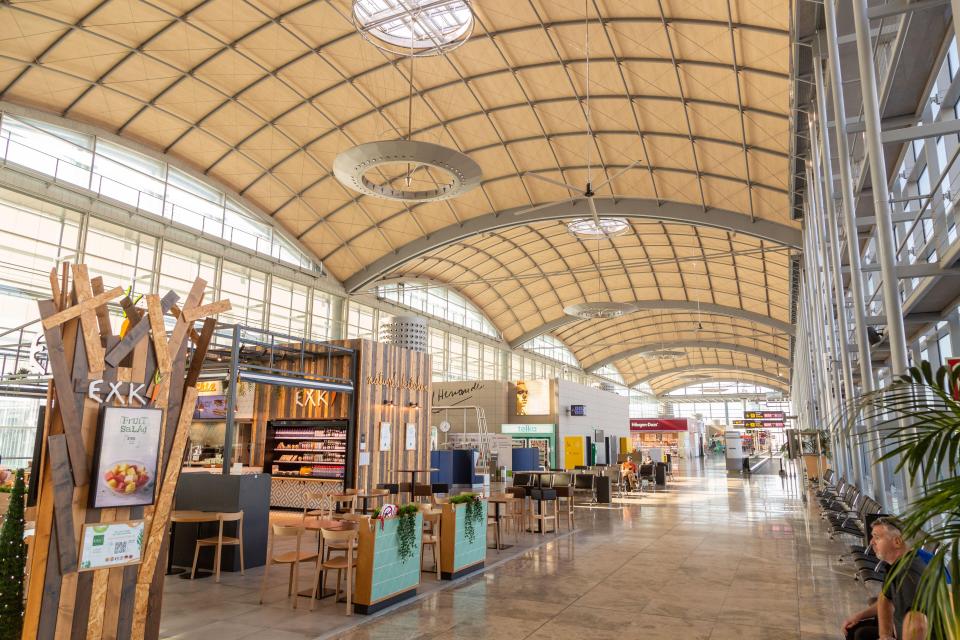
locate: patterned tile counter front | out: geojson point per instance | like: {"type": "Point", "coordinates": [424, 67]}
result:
{"type": "Point", "coordinates": [290, 492]}
{"type": "Point", "coordinates": [383, 577]}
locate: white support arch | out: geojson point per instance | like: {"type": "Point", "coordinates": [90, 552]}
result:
{"type": "Point", "coordinates": [688, 344]}
{"type": "Point", "coordinates": [636, 208]}
{"type": "Point", "coordinates": [667, 305]}
{"type": "Point", "coordinates": [709, 368]}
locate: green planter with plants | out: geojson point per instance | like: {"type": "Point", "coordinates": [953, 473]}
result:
{"type": "Point", "coordinates": [918, 420]}
{"type": "Point", "coordinates": [388, 559]}
{"type": "Point", "coordinates": [463, 535]}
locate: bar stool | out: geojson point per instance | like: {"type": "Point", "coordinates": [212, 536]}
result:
{"type": "Point", "coordinates": [562, 484]}
{"type": "Point", "coordinates": [219, 541]}
{"type": "Point", "coordinates": [344, 563]}
{"type": "Point", "coordinates": [423, 491]}
{"type": "Point", "coordinates": [520, 494]}
{"type": "Point", "coordinates": [292, 558]}
{"type": "Point", "coordinates": [346, 501]}
{"type": "Point", "coordinates": [543, 498]}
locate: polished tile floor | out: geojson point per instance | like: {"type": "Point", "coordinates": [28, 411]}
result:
{"type": "Point", "coordinates": [715, 557]}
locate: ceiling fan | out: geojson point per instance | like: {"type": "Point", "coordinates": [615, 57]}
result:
{"type": "Point", "coordinates": [590, 190]}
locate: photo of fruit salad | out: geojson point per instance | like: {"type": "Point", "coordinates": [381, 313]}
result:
{"type": "Point", "coordinates": [125, 478]}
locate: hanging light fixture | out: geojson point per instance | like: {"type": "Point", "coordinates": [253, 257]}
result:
{"type": "Point", "coordinates": [406, 169]}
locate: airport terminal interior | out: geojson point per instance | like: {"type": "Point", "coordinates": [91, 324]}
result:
{"type": "Point", "coordinates": [547, 319]}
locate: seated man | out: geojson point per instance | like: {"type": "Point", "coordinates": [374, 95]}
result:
{"type": "Point", "coordinates": [629, 471]}
{"type": "Point", "coordinates": [884, 619]}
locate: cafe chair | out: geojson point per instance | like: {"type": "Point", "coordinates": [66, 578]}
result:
{"type": "Point", "coordinates": [343, 564]}
{"type": "Point", "coordinates": [431, 535]}
{"type": "Point", "coordinates": [219, 541]}
{"type": "Point", "coordinates": [514, 515]}
{"type": "Point", "coordinates": [292, 558]}
{"type": "Point", "coordinates": [342, 546]}
{"type": "Point", "coordinates": [423, 491]}
{"type": "Point", "coordinates": [345, 502]}
{"type": "Point", "coordinates": [311, 498]}
{"type": "Point", "coordinates": [544, 498]}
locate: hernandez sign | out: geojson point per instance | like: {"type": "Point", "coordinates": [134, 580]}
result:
{"type": "Point", "coordinates": [763, 415]}
{"type": "Point", "coordinates": [658, 424]}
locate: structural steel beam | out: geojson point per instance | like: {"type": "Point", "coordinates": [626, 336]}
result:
{"type": "Point", "coordinates": [918, 270]}
{"type": "Point", "coordinates": [711, 368]}
{"type": "Point", "coordinates": [688, 344]}
{"type": "Point", "coordinates": [897, 7]}
{"type": "Point", "coordinates": [640, 208]}
{"type": "Point", "coordinates": [665, 305]}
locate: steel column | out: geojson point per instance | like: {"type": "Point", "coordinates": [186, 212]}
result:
{"type": "Point", "coordinates": [893, 309]}
{"type": "Point", "coordinates": [850, 231]}
{"type": "Point", "coordinates": [829, 219]}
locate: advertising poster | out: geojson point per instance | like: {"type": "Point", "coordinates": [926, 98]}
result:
{"type": "Point", "coordinates": [126, 463]}
{"type": "Point", "coordinates": [211, 408]}
{"type": "Point", "coordinates": [115, 544]}
{"type": "Point", "coordinates": [411, 436]}
{"type": "Point", "coordinates": [384, 436]}
{"type": "Point", "coordinates": [533, 398]}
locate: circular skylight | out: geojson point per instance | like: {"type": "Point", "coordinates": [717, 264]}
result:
{"type": "Point", "coordinates": [414, 27]}
{"type": "Point", "coordinates": [587, 228]}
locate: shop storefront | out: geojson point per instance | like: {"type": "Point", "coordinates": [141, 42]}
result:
{"type": "Point", "coordinates": [538, 436]}
{"type": "Point", "coordinates": [658, 435]}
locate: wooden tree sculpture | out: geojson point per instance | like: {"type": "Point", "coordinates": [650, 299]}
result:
{"type": "Point", "coordinates": [147, 363]}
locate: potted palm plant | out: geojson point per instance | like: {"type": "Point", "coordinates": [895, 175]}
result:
{"type": "Point", "coordinates": [918, 420]}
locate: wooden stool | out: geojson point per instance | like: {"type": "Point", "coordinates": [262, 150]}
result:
{"type": "Point", "coordinates": [344, 563]}
{"type": "Point", "coordinates": [292, 558]}
{"type": "Point", "coordinates": [543, 498]}
{"type": "Point", "coordinates": [219, 542]}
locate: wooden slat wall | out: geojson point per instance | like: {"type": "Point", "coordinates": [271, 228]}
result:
{"type": "Point", "coordinates": [374, 359]}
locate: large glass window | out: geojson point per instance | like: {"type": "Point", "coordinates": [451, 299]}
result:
{"type": "Point", "coordinates": [360, 320]}
{"type": "Point", "coordinates": [247, 290]}
{"type": "Point", "coordinates": [438, 302]}
{"type": "Point", "coordinates": [118, 173]}
{"type": "Point", "coordinates": [180, 266]}
{"type": "Point", "coordinates": [550, 347]}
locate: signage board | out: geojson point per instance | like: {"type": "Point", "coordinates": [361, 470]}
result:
{"type": "Point", "coordinates": [578, 410]}
{"type": "Point", "coordinates": [658, 424]}
{"type": "Point", "coordinates": [759, 424]}
{"type": "Point", "coordinates": [211, 408]}
{"type": "Point", "coordinates": [763, 415]}
{"type": "Point", "coordinates": [411, 439]}
{"type": "Point", "coordinates": [524, 429]}
{"type": "Point", "coordinates": [384, 436]}
{"type": "Point", "coordinates": [125, 465]}
{"type": "Point", "coordinates": [113, 544]}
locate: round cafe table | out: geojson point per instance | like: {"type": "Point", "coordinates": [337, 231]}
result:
{"type": "Point", "coordinates": [318, 524]}
{"type": "Point", "coordinates": [413, 478]}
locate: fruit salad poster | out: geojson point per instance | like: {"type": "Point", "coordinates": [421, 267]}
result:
{"type": "Point", "coordinates": [127, 452]}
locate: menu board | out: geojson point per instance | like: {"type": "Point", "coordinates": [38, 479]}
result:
{"type": "Point", "coordinates": [384, 436]}
{"type": "Point", "coordinates": [211, 408]}
{"type": "Point", "coordinates": [411, 444]}
{"type": "Point", "coordinates": [113, 544]}
{"type": "Point", "coordinates": [125, 465]}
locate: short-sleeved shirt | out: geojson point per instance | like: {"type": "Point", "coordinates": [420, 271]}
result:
{"type": "Point", "coordinates": [903, 590]}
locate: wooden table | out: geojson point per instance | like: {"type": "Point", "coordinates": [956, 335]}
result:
{"type": "Point", "coordinates": [496, 501]}
{"type": "Point", "coordinates": [373, 494]}
{"type": "Point", "coordinates": [319, 524]}
{"type": "Point", "coordinates": [183, 516]}
{"type": "Point", "coordinates": [413, 478]}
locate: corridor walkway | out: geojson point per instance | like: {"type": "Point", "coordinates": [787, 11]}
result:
{"type": "Point", "coordinates": [713, 558]}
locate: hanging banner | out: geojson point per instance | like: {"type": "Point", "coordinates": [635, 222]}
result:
{"type": "Point", "coordinates": [658, 424]}
{"type": "Point", "coordinates": [764, 415]}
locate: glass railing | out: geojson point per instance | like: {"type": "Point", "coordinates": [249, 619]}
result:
{"type": "Point", "coordinates": [17, 156]}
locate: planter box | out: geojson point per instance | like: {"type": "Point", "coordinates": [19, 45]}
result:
{"type": "Point", "coordinates": [459, 556]}
{"type": "Point", "coordinates": [383, 578]}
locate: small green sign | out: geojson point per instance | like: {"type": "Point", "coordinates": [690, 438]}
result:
{"type": "Point", "coordinates": [523, 429]}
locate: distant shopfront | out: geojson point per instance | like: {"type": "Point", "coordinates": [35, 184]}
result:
{"type": "Point", "coordinates": [667, 434]}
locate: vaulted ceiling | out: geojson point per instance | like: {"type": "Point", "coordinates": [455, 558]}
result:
{"type": "Point", "coordinates": [263, 94]}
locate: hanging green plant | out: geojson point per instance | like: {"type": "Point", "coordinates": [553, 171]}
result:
{"type": "Point", "coordinates": [406, 531]}
{"type": "Point", "coordinates": [474, 512]}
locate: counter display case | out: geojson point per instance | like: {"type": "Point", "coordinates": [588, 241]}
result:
{"type": "Point", "coordinates": [307, 455]}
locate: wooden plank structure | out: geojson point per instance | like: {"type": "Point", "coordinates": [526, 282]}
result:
{"type": "Point", "coordinates": [392, 385]}
{"type": "Point", "coordinates": [116, 603]}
